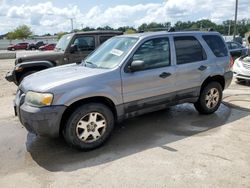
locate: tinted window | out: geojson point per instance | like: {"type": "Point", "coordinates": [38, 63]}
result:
{"type": "Point", "coordinates": [104, 38]}
{"type": "Point", "coordinates": [188, 50]}
{"type": "Point", "coordinates": [85, 43]}
{"type": "Point", "coordinates": [216, 44]}
{"type": "Point", "coordinates": [235, 45]}
{"type": "Point", "coordinates": [155, 53]}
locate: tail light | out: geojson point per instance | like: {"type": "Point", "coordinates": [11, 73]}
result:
{"type": "Point", "coordinates": [231, 62]}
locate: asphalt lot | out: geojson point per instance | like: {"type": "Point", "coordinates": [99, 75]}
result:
{"type": "Point", "coordinates": [175, 147]}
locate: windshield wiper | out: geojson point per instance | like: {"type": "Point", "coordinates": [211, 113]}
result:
{"type": "Point", "coordinates": [90, 63]}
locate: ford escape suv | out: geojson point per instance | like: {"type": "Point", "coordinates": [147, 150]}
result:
{"type": "Point", "coordinates": [126, 76]}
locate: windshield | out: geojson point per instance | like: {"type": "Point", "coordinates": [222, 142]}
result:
{"type": "Point", "coordinates": [63, 42]}
{"type": "Point", "coordinates": [110, 53]}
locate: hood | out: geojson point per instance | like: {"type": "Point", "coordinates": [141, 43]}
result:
{"type": "Point", "coordinates": [45, 81]}
{"type": "Point", "coordinates": [39, 56]}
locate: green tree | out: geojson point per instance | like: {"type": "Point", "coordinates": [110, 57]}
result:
{"type": "Point", "coordinates": [130, 31]}
{"type": "Point", "coordinates": [21, 32]}
{"type": "Point", "coordinates": [60, 34]}
{"type": "Point", "coordinates": [153, 26]}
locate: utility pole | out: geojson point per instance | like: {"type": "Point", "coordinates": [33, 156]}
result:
{"type": "Point", "coordinates": [235, 18]}
{"type": "Point", "coordinates": [229, 28]}
{"type": "Point", "coordinates": [72, 24]}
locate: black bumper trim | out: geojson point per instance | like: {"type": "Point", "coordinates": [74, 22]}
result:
{"type": "Point", "coordinates": [43, 121]}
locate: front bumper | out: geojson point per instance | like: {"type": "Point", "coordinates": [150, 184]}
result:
{"type": "Point", "coordinates": [10, 76]}
{"type": "Point", "coordinates": [240, 76]}
{"type": "Point", "coordinates": [241, 72]}
{"type": "Point", "coordinates": [43, 121]}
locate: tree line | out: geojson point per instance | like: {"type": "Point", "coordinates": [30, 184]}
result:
{"type": "Point", "coordinates": [225, 28]}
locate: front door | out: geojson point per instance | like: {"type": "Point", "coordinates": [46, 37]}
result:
{"type": "Point", "coordinates": [85, 45]}
{"type": "Point", "coordinates": [155, 83]}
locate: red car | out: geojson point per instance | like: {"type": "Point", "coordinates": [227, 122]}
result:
{"type": "Point", "coordinates": [18, 46]}
{"type": "Point", "coordinates": [47, 47]}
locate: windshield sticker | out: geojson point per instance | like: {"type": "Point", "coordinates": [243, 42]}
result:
{"type": "Point", "coordinates": [116, 52]}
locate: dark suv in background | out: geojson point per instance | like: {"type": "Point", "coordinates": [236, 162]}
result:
{"type": "Point", "coordinates": [35, 46]}
{"type": "Point", "coordinates": [71, 48]}
{"type": "Point", "coordinates": [236, 49]}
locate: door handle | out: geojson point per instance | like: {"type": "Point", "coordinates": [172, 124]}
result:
{"type": "Point", "coordinates": [165, 75]}
{"type": "Point", "coordinates": [202, 68]}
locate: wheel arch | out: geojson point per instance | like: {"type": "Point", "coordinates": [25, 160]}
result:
{"type": "Point", "coordinates": [97, 99]}
{"type": "Point", "coordinates": [216, 78]}
{"type": "Point", "coordinates": [31, 66]}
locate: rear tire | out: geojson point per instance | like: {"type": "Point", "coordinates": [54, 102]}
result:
{"type": "Point", "coordinates": [89, 126]}
{"type": "Point", "coordinates": [210, 98]}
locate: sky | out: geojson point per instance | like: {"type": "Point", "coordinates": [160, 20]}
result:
{"type": "Point", "coordinates": [52, 16]}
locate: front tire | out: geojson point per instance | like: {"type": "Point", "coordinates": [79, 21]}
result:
{"type": "Point", "coordinates": [210, 98]}
{"type": "Point", "coordinates": [89, 126]}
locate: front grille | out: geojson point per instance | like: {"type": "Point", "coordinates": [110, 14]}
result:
{"type": "Point", "coordinates": [246, 65]}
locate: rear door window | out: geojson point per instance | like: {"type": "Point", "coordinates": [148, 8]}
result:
{"type": "Point", "coordinates": [188, 50]}
{"type": "Point", "coordinates": [216, 44]}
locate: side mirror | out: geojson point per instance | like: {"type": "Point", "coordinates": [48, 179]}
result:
{"type": "Point", "coordinates": [136, 65]}
{"type": "Point", "coordinates": [73, 48]}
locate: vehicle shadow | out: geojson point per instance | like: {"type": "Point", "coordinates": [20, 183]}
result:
{"type": "Point", "coordinates": [156, 129]}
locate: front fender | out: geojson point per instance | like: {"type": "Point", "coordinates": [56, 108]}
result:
{"type": "Point", "coordinates": [11, 76]}
{"type": "Point", "coordinates": [30, 64]}
{"type": "Point", "coordinates": [77, 94]}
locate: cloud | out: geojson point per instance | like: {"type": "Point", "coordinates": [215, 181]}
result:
{"type": "Point", "coordinates": [46, 17]}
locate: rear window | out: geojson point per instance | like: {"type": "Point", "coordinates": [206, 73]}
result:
{"type": "Point", "coordinates": [216, 44]}
{"type": "Point", "coordinates": [188, 50]}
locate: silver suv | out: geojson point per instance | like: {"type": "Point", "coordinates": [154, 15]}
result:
{"type": "Point", "coordinates": [127, 76]}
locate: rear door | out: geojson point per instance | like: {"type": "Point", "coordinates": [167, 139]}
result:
{"type": "Point", "coordinates": [191, 63]}
{"type": "Point", "coordinates": [155, 83]}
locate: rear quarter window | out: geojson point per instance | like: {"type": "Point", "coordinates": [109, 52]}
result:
{"type": "Point", "coordinates": [216, 44]}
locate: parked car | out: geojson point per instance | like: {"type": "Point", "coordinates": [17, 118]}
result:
{"type": "Point", "coordinates": [241, 68]}
{"type": "Point", "coordinates": [47, 47]}
{"type": "Point", "coordinates": [70, 48]}
{"type": "Point", "coordinates": [18, 46]}
{"type": "Point", "coordinates": [35, 46]}
{"type": "Point", "coordinates": [236, 49]}
{"type": "Point", "coordinates": [125, 77]}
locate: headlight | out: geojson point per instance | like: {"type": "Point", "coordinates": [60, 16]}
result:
{"type": "Point", "coordinates": [38, 99]}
